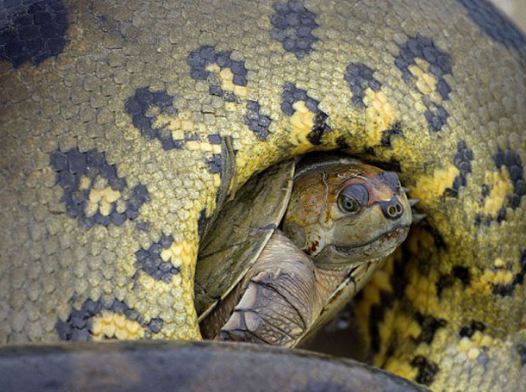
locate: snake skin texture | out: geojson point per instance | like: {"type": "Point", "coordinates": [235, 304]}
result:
{"type": "Point", "coordinates": [112, 116]}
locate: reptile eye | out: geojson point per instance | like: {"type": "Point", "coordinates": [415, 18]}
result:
{"type": "Point", "coordinates": [348, 203]}
{"type": "Point", "coordinates": [352, 198]}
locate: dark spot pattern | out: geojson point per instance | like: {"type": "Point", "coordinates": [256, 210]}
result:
{"type": "Point", "coordinates": [360, 77]}
{"type": "Point", "coordinates": [292, 26]}
{"type": "Point", "coordinates": [444, 282]}
{"type": "Point", "coordinates": [439, 66]}
{"type": "Point", "coordinates": [506, 290]}
{"type": "Point", "coordinates": [438, 239]}
{"type": "Point", "coordinates": [424, 48]}
{"type": "Point", "coordinates": [32, 32]}
{"type": "Point", "coordinates": [201, 222]}
{"type": "Point", "coordinates": [467, 331]}
{"type": "Point", "coordinates": [459, 273]}
{"type": "Point", "coordinates": [389, 134]}
{"type": "Point", "coordinates": [392, 165]}
{"type": "Point", "coordinates": [155, 325]}
{"type": "Point", "coordinates": [398, 282]}
{"type": "Point", "coordinates": [215, 161]}
{"type": "Point", "coordinates": [144, 106]}
{"type": "Point", "coordinates": [342, 143]}
{"type": "Point", "coordinates": [512, 162]}
{"type": "Point", "coordinates": [199, 59]}
{"type": "Point", "coordinates": [521, 349]}
{"type": "Point", "coordinates": [78, 325]}
{"type": "Point", "coordinates": [426, 370]}
{"type": "Point", "coordinates": [319, 128]}
{"type": "Point", "coordinates": [150, 261]}
{"type": "Point", "coordinates": [428, 327]}
{"type": "Point", "coordinates": [376, 316]}
{"type": "Point", "coordinates": [485, 190]}
{"type": "Point", "coordinates": [214, 138]}
{"type": "Point", "coordinates": [462, 161]}
{"type": "Point", "coordinates": [481, 219]}
{"type": "Point", "coordinates": [189, 136]}
{"type": "Point", "coordinates": [214, 164]}
{"type": "Point", "coordinates": [142, 226]}
{"type": "Point", "coordinates": [72, 166]}
{"type": "Point", "coordinates": [493, 23]}
{"type": "Point", "coordinates": [462, 274]}
{"type": "Point", "coordinates": [256, 121]}
{"type": "Point", "coordinates": [435, 115]}
{"type": "Point", "coordinates": [291, 94]}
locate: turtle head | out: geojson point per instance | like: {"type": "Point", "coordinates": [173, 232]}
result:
{"type": "Point", "coordinates": [347, 213]}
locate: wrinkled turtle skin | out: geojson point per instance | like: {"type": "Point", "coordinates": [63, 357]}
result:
{"type": "Point", "coordinates": [264, 280]}
{"type": "Point", "coordinates": [185, 366]}
{"type": "Point", "coordinates": [112, 116]}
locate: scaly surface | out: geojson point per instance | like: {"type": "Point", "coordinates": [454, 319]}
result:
{"type": "Point", "coordinates": [111, 121]}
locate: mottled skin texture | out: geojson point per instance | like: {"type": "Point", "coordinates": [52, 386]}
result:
{"type": "Point", "coordinates": [185, 366]}
{"type": "Point", "coordinates": [111, 121]}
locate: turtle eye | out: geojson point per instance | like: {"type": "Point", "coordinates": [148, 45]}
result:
{"type": "Point", "coordinates": [348, 203]}
{"type": "Point", "coordinates": [352, 198]}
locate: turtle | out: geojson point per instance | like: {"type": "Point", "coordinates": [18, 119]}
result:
{"type": "Point", "coordinates": [294, 245]}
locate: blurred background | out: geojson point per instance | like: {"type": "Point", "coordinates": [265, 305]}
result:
{"type": "Point", "coordinates": [515, 9]}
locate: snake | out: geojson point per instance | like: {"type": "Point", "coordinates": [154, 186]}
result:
{"type": "Point", "coordinates": [112, 121]}
{"type": "Point", "coordinates": [192, 366]}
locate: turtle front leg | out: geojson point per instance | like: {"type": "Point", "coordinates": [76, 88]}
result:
{"type": "Point", "coordinates": [277, 301]}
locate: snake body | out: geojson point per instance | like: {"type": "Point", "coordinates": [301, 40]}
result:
{"type": "Point", "coordinates": [112, 116]}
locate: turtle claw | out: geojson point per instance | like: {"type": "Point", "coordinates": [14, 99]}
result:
{"type": "Point", "coordinates": [413, 202]}
{"type": "Point", "coordinates": [418, 217]}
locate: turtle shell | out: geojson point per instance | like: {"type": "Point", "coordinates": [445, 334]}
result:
{"type": "Point", "coordinates": [240, 232]}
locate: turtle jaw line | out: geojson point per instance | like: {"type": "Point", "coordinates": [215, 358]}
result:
{"type": "Point", "coordinates": [395, 232]}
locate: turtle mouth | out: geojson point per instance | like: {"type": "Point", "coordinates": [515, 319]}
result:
{"type": "Point", "coordinates": [391, 238]}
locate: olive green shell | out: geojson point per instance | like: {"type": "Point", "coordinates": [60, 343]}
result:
{"type": "Point", "coordinates": [241, 231]}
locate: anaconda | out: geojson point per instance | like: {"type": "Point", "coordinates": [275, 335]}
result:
{"type": "Point", "coordinates": [111, 124]}
{"type": "Point", "coordinates": [185, 366]}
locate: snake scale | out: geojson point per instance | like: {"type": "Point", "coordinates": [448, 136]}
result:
{"type": "Point", "coordinates": [112, 116]}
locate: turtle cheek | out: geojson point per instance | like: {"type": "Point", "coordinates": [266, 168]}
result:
{"type": "Point", "coordinates": [357, 230]}
{"type": "Point", "coordinates": [296, 233]}
{"type": "Point", "coordinates": [307, 238]}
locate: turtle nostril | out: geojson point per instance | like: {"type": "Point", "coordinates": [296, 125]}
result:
{"type": "Point", "coordinates": [392, 209]}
